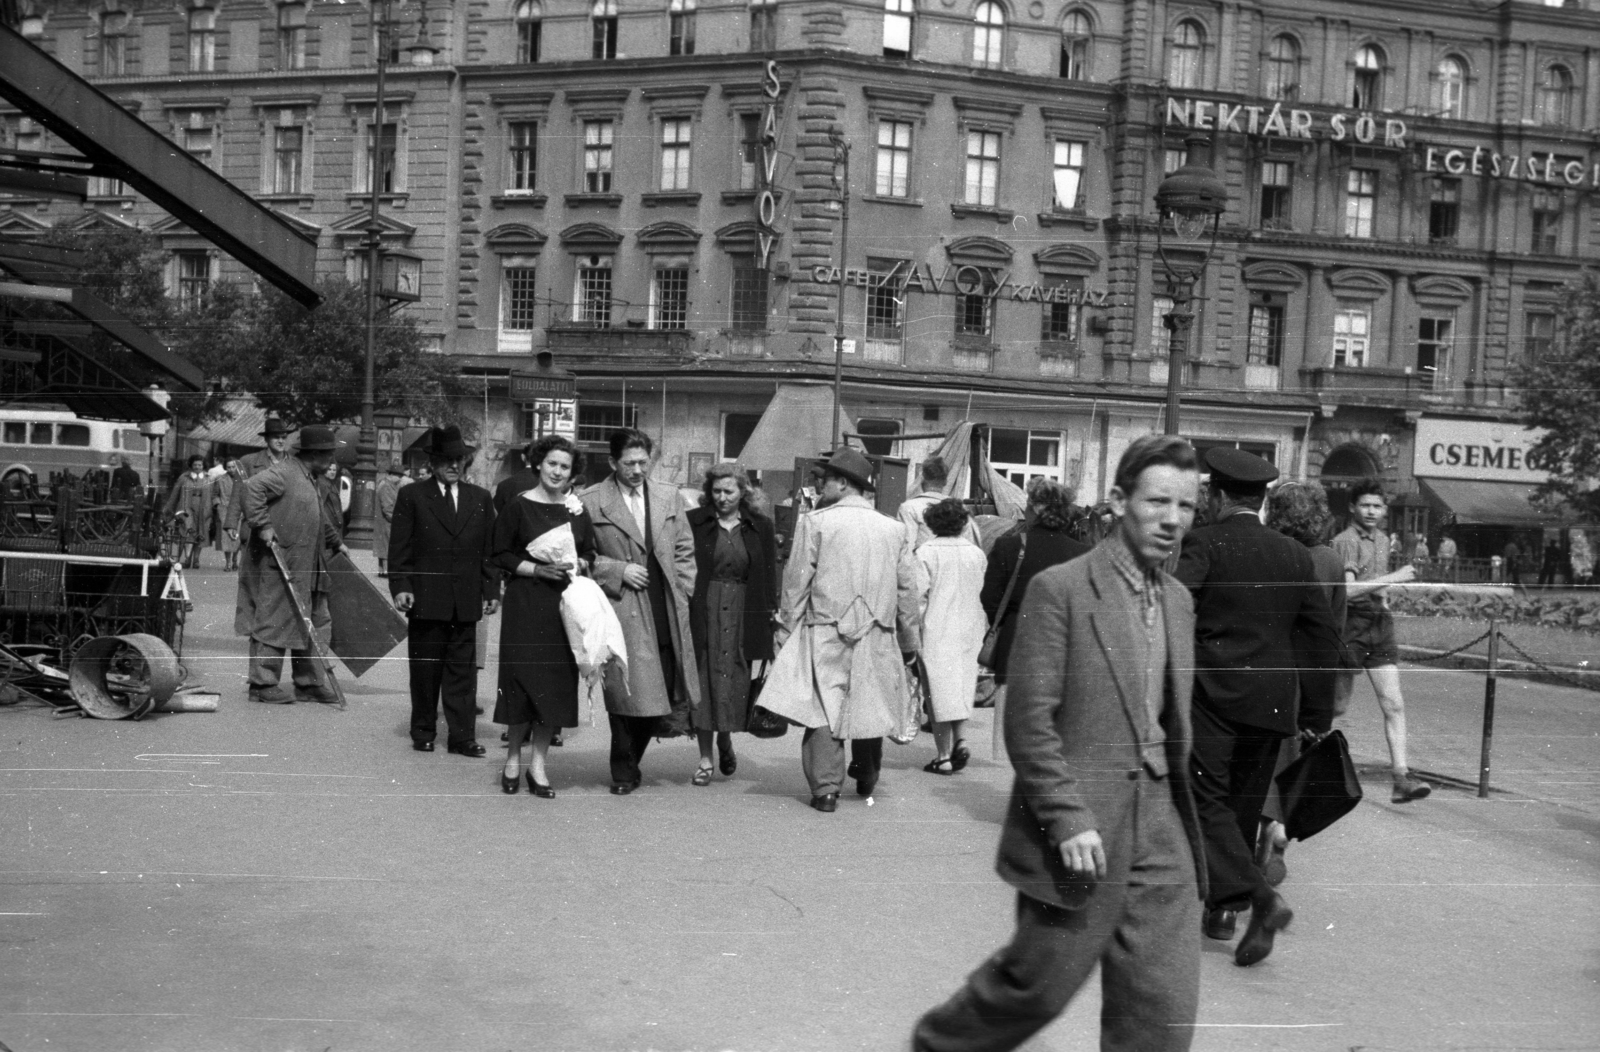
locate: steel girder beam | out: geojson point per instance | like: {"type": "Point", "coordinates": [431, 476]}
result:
{"type": "Point", "coordinates": [92, 123]}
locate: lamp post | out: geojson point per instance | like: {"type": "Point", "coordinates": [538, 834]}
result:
{"type": "Point", "coordinates": [841, 186]}
{"type": "Point", "coordinates": [362, 499]}
{"type": "Point", "coordinates": [1190, 201]}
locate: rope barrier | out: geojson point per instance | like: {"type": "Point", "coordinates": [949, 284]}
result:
{"type": "Point", "coordinates": [1452, 653]}
{"type": "Point", "coordinates": [1554, 673]}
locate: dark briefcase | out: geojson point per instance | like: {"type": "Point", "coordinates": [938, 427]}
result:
{"type": "Point", "coordinates": [1318, 788]}
{"type": "Point", "coordinates": [366, 626]}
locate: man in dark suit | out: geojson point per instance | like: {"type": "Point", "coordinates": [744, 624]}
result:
{"type": "Point", "coordinates": [1256, 594]}
{"type": "Point", "coordinates": [521, 480]}
{"type": "Point", "coordinates": [1101, 839]}
{"type": "Point", "coordinates": [440, 577]}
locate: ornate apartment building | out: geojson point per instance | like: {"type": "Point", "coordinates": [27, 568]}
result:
{"type": "Point", "coordinates": [651, 190]}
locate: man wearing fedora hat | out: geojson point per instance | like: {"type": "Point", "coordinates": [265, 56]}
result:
{"type": "Point", "coordinates": [441, 579]}
{"type": "Point", "coordinates": [282, 506]}
{"type": "Point", "coordinates": [276, 431]}
{"type": "Point", "coordinates": [848, 590]}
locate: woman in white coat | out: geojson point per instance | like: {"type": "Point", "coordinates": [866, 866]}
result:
{"type": "Point", "coordinates": [951, 572]}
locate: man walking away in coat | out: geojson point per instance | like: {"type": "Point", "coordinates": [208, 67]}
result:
{"type": "Point", "coordinates": [1255, 593]}
{"type": "Point", "coordinates": [1369, 629]}
{"type": "Point", "coordinates": [282, 506]}
{"type": "Point", "coordinates": [276, 433]}
{"type": "Point", "coordinates": [440, 577]}
{"type": "Point", "coordinates": [1100, 840]}
{"type": "Point", "coordinates": [934, 478]}
{"type": "Point", "coordinates": [849, 591]}
{"type": "Point", "coordinates": [644, 559]}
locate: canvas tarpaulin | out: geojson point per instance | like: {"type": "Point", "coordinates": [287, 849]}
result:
{"type": "Point", "coordinates": [798, 422]}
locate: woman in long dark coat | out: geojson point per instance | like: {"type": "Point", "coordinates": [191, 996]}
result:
{"type": "Point", "coordinates": [1048, 544]}
{"type": "Point", "coordinates": [538, 691]}
{"type": "Point", "coordinates": [730, 613]}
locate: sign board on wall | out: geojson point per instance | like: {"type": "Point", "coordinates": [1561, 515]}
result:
{"type": "Point", "coordinates": [1486, 450]}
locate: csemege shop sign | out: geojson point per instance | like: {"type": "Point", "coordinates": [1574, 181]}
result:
{"type": "Point", "coordinates": [1476, 449]}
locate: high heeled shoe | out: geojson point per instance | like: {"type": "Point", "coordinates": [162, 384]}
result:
{"type": "Point", "coordinates": [538, 789]}
{"type": "Point", "coordinates": [510, 785]}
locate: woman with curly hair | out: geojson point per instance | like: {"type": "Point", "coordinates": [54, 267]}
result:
{"type": "Point", "coordinates": [950, 578]}
{"type": "Point", "coordinates": [1041, 543]}
{"type": "Point", "coordinates": [1299, 510]}
{"type": "Point", "coordinates": [730, 612]}
{"type": "Point", "coordinates": [538, 692]}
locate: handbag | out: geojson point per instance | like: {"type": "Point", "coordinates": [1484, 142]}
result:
{"type": "Point", "coordinates": [761, 723]}
{"type": "Point", "coordinates": [991, 638]}
{"type": "Point", "coordinates": [1319, 787]}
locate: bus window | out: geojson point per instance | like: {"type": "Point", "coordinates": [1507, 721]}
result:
{"type": "Point", "coordinates": [16, 433]}
{"type": "Point", "coordinates": [42, 434]}
{"type": "Point", "coordinates": [72, 435]}
{"type": "Point", "coordinates": [134, 442]}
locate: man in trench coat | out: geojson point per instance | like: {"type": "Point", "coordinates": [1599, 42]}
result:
{"type": "Point", "coordinates": [1101, 839]}
{"type": "Point", "coordinates": [645, 562]}
{"type": "Point", "coordinates": [849, 588]}
{"type": "Point", "coordinates": [282, 504]}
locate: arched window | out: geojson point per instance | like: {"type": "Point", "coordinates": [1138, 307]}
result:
{"type": "Point", "coordinates": [603, 16]}
{"type": "Point", "coordinates": [1366, 82]}
{"type": "Point", "coordinates": [202, 40]}
{"type": "Point", "coordinates": [1450, 88]}
{"type": "Point", "coordinates": [1185, 55]}
{"type": "Point", "coordinates": [989, 35]}
{"type": "Point", "coordinates": [1555, 96]}
{"type": "Point", "coordinates": [897, 24]}
{"type": "Point", "coordinates": [530, 23]}
{"type": "Point", "coordinates": [1077, 45]}
{"type": "Point", "coordinates": [680, 27]}
{"type": "Point", "coordinates": [1283, 69]}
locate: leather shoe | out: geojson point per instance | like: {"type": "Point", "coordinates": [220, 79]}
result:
{"type": "Point", "coordinates": [623, 788]}
{"type": "Point", "coordinates": [468, 748]}
{"type": "Point", "coordinates": [1219, 924]}
{"type": "Point", "coordinates": [320, 695]}
{"type": "Point", "coordinates": [865, 786]}
{"type": "Point", "coordinates": [271, 696]}
{"type": "Point", "coordinates": [422, 746]}
{"type": "Point", "coordinates": [827, 803]}
{"type": "Point", "coordinates": [1268, 916]}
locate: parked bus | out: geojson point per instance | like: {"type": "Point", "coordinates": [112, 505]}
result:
{"type": "Point", "coordinates": [36, 441]}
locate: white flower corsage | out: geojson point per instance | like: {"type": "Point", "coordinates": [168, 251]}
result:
{"type": "Point", "coordinates": [574, 505]}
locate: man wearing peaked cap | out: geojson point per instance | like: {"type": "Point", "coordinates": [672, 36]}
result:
{"type": "Point", "coordinates": [1255, 593]}
{"type": "Point", "coordinates": [282, 506]}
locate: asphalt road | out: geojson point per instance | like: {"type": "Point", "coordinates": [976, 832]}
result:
{"type": "Point", "coordinates": [297, 878]}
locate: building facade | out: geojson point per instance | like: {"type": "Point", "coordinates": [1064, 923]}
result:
{"type": "Point", "coordinates": [651, 192]}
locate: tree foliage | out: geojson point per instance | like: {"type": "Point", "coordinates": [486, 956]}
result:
{"type": "Point", "coordinates": [1559, 392]}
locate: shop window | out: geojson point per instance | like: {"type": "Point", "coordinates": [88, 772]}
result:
{"type": "Point", "coordinates": [1077, 46]}
{"type": "Point", "coordinates": [1546, 225]}
{"type": "Point", "coordinates": [669, 297]}
{"type": "Point", "coordinates": [1556, 90]}
{"type": "Point", "coordinates": [1366, 79]}
{"type": "Point", "coordinates": [1186, 56]}
{"type": "Point", "coordinates": [876, 435]}
{"type": "Point", "coordinates": [1450, 88]}
{"type": "Point", "coordinates": [763, 25]}
{"type": "Point", "coordinates": [675, 134]}
{"type": "Point", "coordinates": [1434, 336]}
{"type": "Point", "coordinates": [1360, 202]}
{"type": "Point", "coordinates": [750, 286]}
{"type": "Point", "coordinates": [898, 16]}
{"type": "Point", "coordinates": [598, 137]}
{"type": "Point", "coordinates": [1444, 211]}
{"type": "Point", "coordinates": [989, 35]}
{"type": "Point", "coordinates": [1277, 179]}
{"type": "Point", "coordinates": [680, 27]}
{"type": "Point", "coordinates": [530, 25]}
{"type": "Point", "coordinates": [1068, 180]}
{"type": "Point", "coordinates": [885, 330]}
{"type": "Point", "coordinates": [603, 22]}
{"type": "Point", "coordinates": [892, 170]}
{"type": "Point", "coordinates": [1352, 338]}
{"type": "Point", "coordinates": [1282, 72]}
{"type": "Point", "coordinates": [1021, 455]}
{"type": "Point", "coordinates": [983, 168]}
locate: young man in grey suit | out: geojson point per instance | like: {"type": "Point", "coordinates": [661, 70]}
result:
{"type": "Point", "coordinates": [1101, 839]}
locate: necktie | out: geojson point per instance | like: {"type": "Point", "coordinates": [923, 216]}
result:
{"type": "Point", "coordinates": [453, 506]}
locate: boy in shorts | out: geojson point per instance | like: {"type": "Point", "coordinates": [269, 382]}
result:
{"type": "Point", "coordinates": [1369, 628]}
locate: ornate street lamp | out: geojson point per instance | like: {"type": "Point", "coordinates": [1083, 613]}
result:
{"type": "Point", "coordinates": [841, 203]}
{"type": "Point", "coordinates": [1190, 201]}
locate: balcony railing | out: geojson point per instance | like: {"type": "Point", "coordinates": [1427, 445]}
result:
{"type": "Point", "coordinates": [626, 334]}
{"type": "Point", "coordinates": [1400, 388]}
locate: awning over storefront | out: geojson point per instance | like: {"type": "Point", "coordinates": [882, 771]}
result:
{"type": "Point", "coordinates": [798, 423]}
{"type": "Point", "coordinates": [1476, 503]}
{"type": "Point", "coordinates": [242, 427]}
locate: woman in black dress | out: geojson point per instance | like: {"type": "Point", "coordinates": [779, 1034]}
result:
{"type": "Point", "coordinates": [538, 692]}
{"type": "Point", "coordinates": [730, 613]}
